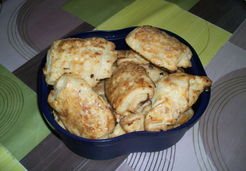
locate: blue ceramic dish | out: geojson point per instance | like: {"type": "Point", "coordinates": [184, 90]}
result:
{"type": "Point", "coordinates": [143, 141]}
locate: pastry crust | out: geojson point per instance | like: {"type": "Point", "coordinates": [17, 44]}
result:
{"type": "Point", "coordinates": [89, 58]}
{"type": "Point", "coordinates": [130, 56]}
{"type": "Point", "coordinates": [154, 72]}
{"type": "Point", "coordinates": [117, 131]}
{"type": "Point", "coordinates": [182, 119]}
{"type": "Point", "coordinates": [133, 122]}
{"type": "Point", "coordinates": [81, 110]}
{"type": "Point", "coordinates": [159, 48]}
{"type": "Point", "coordinates": [174, 94]}
{"type": "Point", "coordinates": [128, 87]}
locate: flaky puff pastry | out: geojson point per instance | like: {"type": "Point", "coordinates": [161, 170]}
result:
{"type": "Point", "coordinates": [117, 131]}
{"type": "Point", "coordinates": [174, 94]}
{"type": "Point", "coordinates": [159, 48]}
{"type": "Point", "coordinates": [153, 72]}
{"type": "Point", "coordinates": [182, 119]}
{"type": "Point", "coordinates": [133, 122]}
{"type": "Point", "coordinates": [90, 58]}
{"type": "Point", "coordinates": [100, 90]}
{"type": "Point", "coordinates": [81, 110]}
{"type": "Point", "coordinates": [128, 87]}
{"type": "Point", "coordinates": [130, 56]}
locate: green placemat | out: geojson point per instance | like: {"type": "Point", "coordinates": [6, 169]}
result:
{"type": "Point", "coordinates": [95, 12]}
{"type": "Point", "coordinates": [8, 161]}
{"type": "Point", "coordinates": [205, 37]}
{"type": "Point", "coordinates": [185, 4]}
{"type": "Point", "coordinates": [21, 125]}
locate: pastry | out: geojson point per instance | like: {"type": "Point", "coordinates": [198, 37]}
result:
{"type": "Point", "coordinates": [128, 88]}
{"type": "Point", "coordinates": [174, 94]}
{"type": "Point", "coordinates": [90, 58]}
{"type": "Point", "coordinates": [159, 48]}
{"type": "Point", "coordinates": [82, 111]}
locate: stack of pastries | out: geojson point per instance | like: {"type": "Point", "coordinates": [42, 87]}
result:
{"type": "Point", "coordinates": [100, 92]}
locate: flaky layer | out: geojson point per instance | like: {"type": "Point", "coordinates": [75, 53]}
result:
{"type": "Point", "coordinates": [133, 122]}
{"type": "Point", "coordinates": [174, 94]}
{"type": "Point", "coordinates": [128, 87]}
{"type": "Point", "coordinates": [81, 110]}
{"type": "Point", "coordinates": [90, 58]}
{"type": "Point", "coordinates": [130, 56]}
{"type": "Point", "coordinates": [159, 48]}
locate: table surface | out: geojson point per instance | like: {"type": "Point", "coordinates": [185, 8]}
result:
{"type": "Point", "coordinates": [52, 154]}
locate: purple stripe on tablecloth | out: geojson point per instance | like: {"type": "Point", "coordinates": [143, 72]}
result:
{"type": "Point", "coordinates": [40, 22]}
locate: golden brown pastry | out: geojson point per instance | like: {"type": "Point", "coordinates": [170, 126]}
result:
{"type": "Point", "coordinates": [90, 58]}
{"type": "Point", "coordinates": [174, 94]}
{"type": "Point", "coordinates": [133, 122]}
{"type": "Point", "coordinates": [144, 107]}
{"type": "Point", "coordinates": [117, 131]}
{"type": "Point", "coordinates": [81, 110]}
{"type": "Point", "coordinates": [58, 120]}
{"type": "Point", "coordinates": [183, 118]}
{"type": "Point", "coordinates": [100, 90]}
{"type": "Point", "coordinates": [159, 48]}
{"type": "Point", "coordinates": [130, 56]}
{"type": "Point", "coordinates": [154, 73]}
{"type": "Point", "coordinates": [128, 87]}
